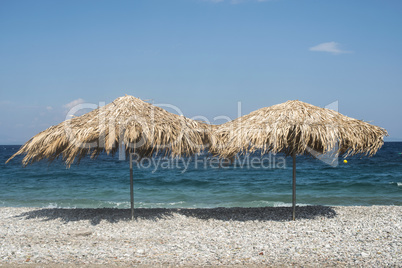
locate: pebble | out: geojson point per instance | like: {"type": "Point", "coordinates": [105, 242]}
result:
{"type": "Point", "coordinates": [320, 236]}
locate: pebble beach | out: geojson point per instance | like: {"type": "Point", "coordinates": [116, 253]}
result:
{"type": "Point", "coordinates": [320, 236]}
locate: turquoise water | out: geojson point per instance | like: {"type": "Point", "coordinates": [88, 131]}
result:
{"type": "Point", "coordinates": [177, 183]}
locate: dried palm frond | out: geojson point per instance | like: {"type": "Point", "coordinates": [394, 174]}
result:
{"type": "Point", "coordinates": [145, 129]}
{"type": "Point", "coordinates": [297, 127]}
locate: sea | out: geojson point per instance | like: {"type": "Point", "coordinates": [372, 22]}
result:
{"type": "Point", "coordinates": [203, 181]}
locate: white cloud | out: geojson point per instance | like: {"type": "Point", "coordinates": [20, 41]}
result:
{"type": "Point", "coordinates": [331, 47]}
{"type": "Point", "coordinates": [5, 102]}
{"type": "Point", "coordinates": [73, 103]}
{"type": "Point", "coordinates": [49, 108]}
{"type": "Point", "coordinates": [236, 1]}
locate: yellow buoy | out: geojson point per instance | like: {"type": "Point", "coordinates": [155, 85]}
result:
{"type": "Point", "coordinates": [345, 161]}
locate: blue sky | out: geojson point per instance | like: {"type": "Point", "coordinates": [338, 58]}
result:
{"type": "Point", "coordinates": [201, 56]}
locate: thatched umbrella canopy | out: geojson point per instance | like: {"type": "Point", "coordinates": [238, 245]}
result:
{"type": "Point", "coordinates": [144, 129]}
{"type": "Point", "coordinates": [297, 128]}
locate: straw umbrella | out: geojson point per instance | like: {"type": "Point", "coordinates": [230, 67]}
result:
{"type": "Point", "coordinates": [297, 128]}
{"type": "Point", "coordinates": [144, 129]}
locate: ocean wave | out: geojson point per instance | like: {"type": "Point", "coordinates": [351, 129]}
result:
{"type": "Point", "coordinates": [282, 204]}
{"type": "Point", "coordinates": [55, 205]}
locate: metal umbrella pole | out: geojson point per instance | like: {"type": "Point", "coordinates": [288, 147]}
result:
{"type": "Point", "coordinates": [294, 185]}
{"type": "Point", "coordinates": [131, 187]}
